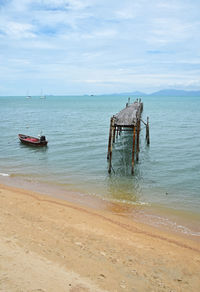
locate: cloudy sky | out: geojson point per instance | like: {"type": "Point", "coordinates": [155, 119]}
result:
{"type": "Point", "coordinates": [98, 46]}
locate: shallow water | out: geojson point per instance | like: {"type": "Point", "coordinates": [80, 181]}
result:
{"type": "Point", "coordinates": [77, 127]}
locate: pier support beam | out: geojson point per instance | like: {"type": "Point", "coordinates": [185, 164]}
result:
{"type": "Point", "coordinates": [147, 132]}
{"type": "Point", "coordinates": [109, 139]}
{"type": "Point", "coordinates": [117, 132]}
{"type": "Point", "coordinates": [133, 151]}
{"type": "Point", "coordinates": [120, 130]}
{"type": "Point", "coordinates": [138, 139]}
{"type": "Point", "coordinates": [109, 155]}
{"type": "Point", "coordinates": [114, 131]}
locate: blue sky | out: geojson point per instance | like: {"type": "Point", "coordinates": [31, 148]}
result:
{"type": "Point", "coordinates": [98, 46]}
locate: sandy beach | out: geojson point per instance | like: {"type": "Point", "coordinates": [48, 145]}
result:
{"type": "Point", "coordinates": [48, 244]}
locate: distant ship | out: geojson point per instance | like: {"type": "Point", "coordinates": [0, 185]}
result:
{"type": "Point", "coordinates": [28, 96]}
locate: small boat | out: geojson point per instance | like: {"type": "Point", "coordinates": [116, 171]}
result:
{"type": "Point", "coordinates": [41, 141]}
{"type": "Point", "coordinates": [27, 95]}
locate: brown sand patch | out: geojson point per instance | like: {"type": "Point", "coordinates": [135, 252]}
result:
{"type": "Point", "coordinates": [53, 245]}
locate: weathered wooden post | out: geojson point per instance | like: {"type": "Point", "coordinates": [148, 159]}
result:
{"type": "Point", "coordinates": [147, 132]}
{"type": "Point", "coordinates": [114, 131]}
{"type": "Point", "coordinates": [120, 130]}
{"type": "Point", "coordinates": [109, 139]}
{"type": "Point", "coordinates": [133, 150]}
{"type": "Point", "coordinates": [117, 132]}
{"type": "Point", "coordinates": [138, 138]}
{"type": "Point", "coordinates": [112, 122]}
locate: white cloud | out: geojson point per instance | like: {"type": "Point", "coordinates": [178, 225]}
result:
{"type": "Point", "coordinates": [17, 30]}
{"type": "Point", "coordinates": [108, 33]}
{"type": "Point", "coordinates": [130, 10]}
{"type": "Point", "coordinates": [170, 30]}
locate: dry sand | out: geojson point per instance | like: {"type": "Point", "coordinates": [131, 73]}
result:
{"type": "Point", "coordinates": [48, 244]}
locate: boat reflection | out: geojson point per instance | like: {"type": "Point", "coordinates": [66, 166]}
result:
{"type": "Point", "coordinates": [33, 148]}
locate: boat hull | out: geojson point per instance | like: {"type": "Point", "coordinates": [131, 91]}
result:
{"type": "Point", "coordinates": [32, 141]}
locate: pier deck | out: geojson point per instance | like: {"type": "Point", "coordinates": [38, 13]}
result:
{"type": "Point", "coordinates": [129, 115]}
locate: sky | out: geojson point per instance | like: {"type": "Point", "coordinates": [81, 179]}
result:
{"type": "Point", "coordinates": [78, 47]}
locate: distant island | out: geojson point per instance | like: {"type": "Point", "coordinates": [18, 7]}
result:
{"type": "Point", "coordinates": [137, 94]}
{"type": "Point", "coordinates": [164, 92]}
{"type": "Point", "coordinates": [175, 92]}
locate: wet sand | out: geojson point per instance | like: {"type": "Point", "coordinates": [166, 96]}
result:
{"type": "Point", "coordinates": [49, 244]}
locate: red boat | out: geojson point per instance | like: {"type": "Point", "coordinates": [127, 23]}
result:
{"type": "Point", "coordinates": [32, 140]}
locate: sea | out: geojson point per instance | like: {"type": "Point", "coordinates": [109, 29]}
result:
{"type": "Point", "coordinates": [165, 188]}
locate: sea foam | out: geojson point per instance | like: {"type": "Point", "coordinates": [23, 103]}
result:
{"type": "Point", "coordinates": [4, 174]}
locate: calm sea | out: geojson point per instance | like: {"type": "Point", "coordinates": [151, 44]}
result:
{"type": "Point", "coordinates": [166, 178]}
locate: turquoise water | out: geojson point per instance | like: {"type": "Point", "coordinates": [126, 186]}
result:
{"type": "Point", "coordinates": [77, 127]}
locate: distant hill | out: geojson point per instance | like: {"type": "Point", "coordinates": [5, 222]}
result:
{"type": "Point", "coordinates": [135, 93]}
{"type": "Point", "coordinates": [175, 92]}
{"type": "Point", "coordinates": [164, 92]}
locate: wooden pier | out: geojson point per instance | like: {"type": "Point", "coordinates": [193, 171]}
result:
{"type": "Point", "coordinates": [128, 119]}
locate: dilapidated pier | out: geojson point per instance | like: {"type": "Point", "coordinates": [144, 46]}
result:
{"type": "Point", "coordinates": [128, 119]}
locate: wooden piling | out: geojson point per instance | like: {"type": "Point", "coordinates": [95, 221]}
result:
{"type": "Point", "coordinates": [133, 150]}
{"type": "Point", "coordinates": [114, 131]}
{"type": "Point", "coordinates": [138, 139]}
{"type": "Point", "coordinates": [110, 150]}
{"type": "Point", "coordinates": [120, 130]}
{"type": "Point", "coordinates": [147, 132]}
{"type": "Point", "coordinates": [109, 140]}
{"type": "Point", "coordinates": [117, 132]}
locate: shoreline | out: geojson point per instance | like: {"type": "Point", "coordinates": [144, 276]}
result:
{"type": "Point", "coordinates": [49, 244]}
{"type": "Point", "coordinates": [181, 222]}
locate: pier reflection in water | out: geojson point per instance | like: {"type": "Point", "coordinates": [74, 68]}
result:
{"type": "Point", "coordinates": [121, 185]}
